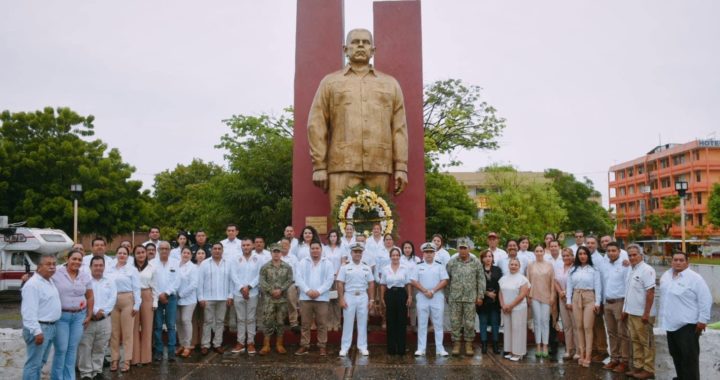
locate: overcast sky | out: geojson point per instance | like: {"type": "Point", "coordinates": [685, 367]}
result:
{"type": "Point", "coordinates": [583, 84]}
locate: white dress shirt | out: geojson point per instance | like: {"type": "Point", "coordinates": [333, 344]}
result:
{"type": "Point", "coordinates": [246, 272]}
{"type": "Point", "coordinates": [355, 277]}
{"type": "Point", "coordinates": [614, 275]}
{"type": "Point", "coordinates": [315, 276]}
{"type": "Point", "coordinates": [40, 302]}
{"type": "Point", "coordinates": [176, 253]}
{"type": "Point", "coordinates": [684, 299]}
{"type": "Point", "coordinates": [397, 279]}
{"type": "Point", "coordinates": [376, 247]}
{"type": "Point", "coordinates": [382, 259]}
{"type": "Point", "coordinates": [301, 251]}
{"type": "Point", "coordinates": [586, 278]}
{"type": "Point", "coordinates": [504, 265]}
{"type": "Point", "coordinates": [640, 279]}
{"type": "Point", "coordinates": [231, 248]}
{"type": "Point", "coordinates": [430, 275]}
{"type": "Point", "coordinates": [109, 262]}
{"type": "Point", "coordinates": [265, 256]}
{"type": "Point", "coordinates": [345, 245]}
{"type": "Point", "coordinates": [442, 256]}
{"type": "Point", "coordinates": [291, 260]}
{"type": "Point", "coordinates": [127, 279]}
{"type": "Point", "coordinates": [187, 292]}
{"type": "Point", "coordinates": [167, 275]}
{"type": "Point", "coordinates": [147, 276]}
{"type": "Point", "coordinates": [499, 254]}
{"type": "Point", "coordinates": [105, 293]}
{"type": "Point", "coordinates": [334, 255]}
{"type": "Point", "coordinates": [214, 280]}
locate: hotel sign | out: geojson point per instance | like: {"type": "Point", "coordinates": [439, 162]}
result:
{"type": "Point", "coordinates": [709, 143]}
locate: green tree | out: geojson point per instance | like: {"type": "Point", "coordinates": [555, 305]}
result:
{"type": "Point", "coordinates": [450, 211]}
{"type": "Point", "coordinates": [577, 199]}
{"type": "Point", "coordinates": [455, 117]}
{"type": "Point", "coordinates": [43, 152]}
{"type": "Point", "coordinates": [519, 207]}
{"type": "Point", "coordinates": [661, 222]}
{"type": "Point", "coordinates": [714, 205]}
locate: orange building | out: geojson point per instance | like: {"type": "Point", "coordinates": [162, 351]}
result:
{"type": "Point", "coordinates": [637, 187]}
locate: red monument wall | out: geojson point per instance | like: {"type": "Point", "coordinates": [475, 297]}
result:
{"type": "Point", "coordinates": [318, 51]}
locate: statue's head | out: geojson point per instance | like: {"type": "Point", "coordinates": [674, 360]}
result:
{"type": "Point", "coordinates": [359, 47]}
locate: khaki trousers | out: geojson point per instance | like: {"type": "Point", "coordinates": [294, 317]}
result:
{"type": "Point", "coordinates": [314, 311]}
{"type": "Point", "coordinates": [198, 321]}
{"type": "Point", "coordinates": [583, 301]}
{"type": "Point", "coordinates": [143, 330]}
{"type": "Point", "coordinates": [643, 343]}
{"type": "Point", "coordinates": [617, 332]}
{"type": "Point", "coordinates": [91, 350]}
{"type": "Point", "coordinates": [600, 344]}
{"type": "Point", "coordinates": [293, 299]}
{"type": "Point", "coordinates": [334, 312]}
{"type": "Point", "coordinates": [214, 316]}
{"type": "Point", "coordinates": [122, 325]}
{"type": "Point", "coordinates": [568, 328]}
{"type": "Point", "coordinates": [338, 182]}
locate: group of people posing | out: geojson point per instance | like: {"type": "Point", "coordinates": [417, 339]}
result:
{"type": "Point", "coordinates": [156, 302]}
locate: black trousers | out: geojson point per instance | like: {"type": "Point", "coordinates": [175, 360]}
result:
{"type": "Point", "coordinates": [684, 345]}
{"type": "Point", "coordinates": [553, 339]}
{"type": "Point", "coordinates": [396, 314]}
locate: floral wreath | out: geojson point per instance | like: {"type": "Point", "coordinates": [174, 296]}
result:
{"type": "Point", "coordinates": [361, 207]}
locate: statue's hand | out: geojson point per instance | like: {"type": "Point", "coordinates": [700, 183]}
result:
{"type": "Point", "coordinates": [320, 179]}
{"type": "Point", "coordinates": [400, 181]}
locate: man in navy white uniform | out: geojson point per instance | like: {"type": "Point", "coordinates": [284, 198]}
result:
{"type": "Point", "coordinates": [96, 336]}
{"type": "Point", "coordinates": [685, 303]}
{"type": "Point", "coordinates": [430, 277]}
{"type": "Point", "coordinates": [40, 309]}
{"type": "Point", "coordinates": [356, 288]}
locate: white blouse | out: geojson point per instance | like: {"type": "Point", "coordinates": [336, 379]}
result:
{"type": "Point", "coordinates": [397, 279]}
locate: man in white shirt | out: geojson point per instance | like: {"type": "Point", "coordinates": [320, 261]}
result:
{"type": "Point", "coordinates": [498, 253]}
{"type": "Point", "coordinates": [639, 312]}
{"type": "Point", "coordinates": [40, 309]}
{"type": "Point", "coordinates": [685, 304]}
{"type": "Point", "coordinates": [154, 237]}
{"type": "Point", "coordinates": [356, 288]}
{"type": "Point", "coordinates": [579, 241]}
{"type": "Point", "coordinates": [99, 248]}
{"type": "Point", "coordinates": [232, 246]}
{"type": "Point", "coordinates": [429, 278]}
{"type": "Point", "coordinates": [293, 296]}
{"type": "Point", "coordinates": [315, 277]}
{"type": "Point", "coordinates": [167, 275]}
{"type": "Point", "coordinates": [260, 250]}
{"type": "Point", "coordinates": [214, 296]}
{"type": "Point", "coordinates": [96, 336]}
{"type": "Point", "coordinates": [614, 275]}
{"type": "Point", "coordinates": [600, 346]}
{"type": "Point", "coordinates": [289, 233]}
{"type": "Point", "coordinates": [245, 271]}
{"type": "Point", "coordinates": [374, 245]}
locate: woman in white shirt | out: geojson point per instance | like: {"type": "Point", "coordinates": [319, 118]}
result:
{"type": "Point", "coordinates": [302, 250]}
{"type": "Point", "coordinates": [583, 299]}
{"type": "Point", "coordinates": [183, 241]}
{"type": "Point", "coordinates": [198, 315]}
{"type": "Point", "coordinates": [333, 252]}
{"type": "Point", "coordinates": [143, 326]}
{"type": "Point", "coordinates": [127, 282]}
{"type": "Point", "coordinates": [514, 288]}
{"type": "Point", "coordinates": [187, 299]}
{"type": "Point", "coordinates": [410, 260]}
{"type": "Point", "coordinates": [395, 298]}
{"type": "Point", "coordinates": [561, 276]}
{"type": "Point", "coordinates": [347, 240]}
{"type": "Point", "coordinates": [441, 255]}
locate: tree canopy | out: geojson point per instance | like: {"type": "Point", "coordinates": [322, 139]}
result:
{"type": "Point", "coordinates": [714, 205]}
{"type": "Point", "coordinates": [43, 152]}
{"type": "Point", "coordinates": [450, 211]}
{"type": "Point", "coordinates": [583, 213]}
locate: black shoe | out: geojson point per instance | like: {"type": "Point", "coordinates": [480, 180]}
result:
{"type": "Point", "coordinates": [496, 348]}
{"type": "Point", "coordinates": [158, 358]}
{"type": "Point", "coordinates": [483, 348]}
{"type": "Point", "coordinates": [86, 378]}
{"type": "Point", "coordinates": [172, 358]}
{"type": "Point", "coordinates": [295, 329]}
{"type": "Point", "coordinates": [99, 376]}
{"type": "Point", "coordinates": [106, 363]}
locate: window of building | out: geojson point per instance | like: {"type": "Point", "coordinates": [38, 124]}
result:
{"type": "Point", "coordinates": [631, 189]}
{"type": "Point", "coordinates": [654, 185]}
{"type": "Point", "coordinates": [631, 207]}
{"type": "Point", "coordinates": [700, 219]}
{"type": "Point", "coordinates": [665, 182]}
{"type": "Point", "coordinates": [688, 220]}
{"type": "Point", "coordinates": [698, 176]}
{"type": "Point", "coordinates": [620, 174]}
{"type": "Point", "coordinates": [688, 198]}
{"type": "Point", "coordinates": [664, 163]}
{"type": "Point", "coordinates": [640, 169]}
{"type": "Point", "coordinates": [654, 203]}
{"type": "Point", "coordinates": [630, 172]}
{"type": "Point", "coordinates": [621, 191]}
{"type": "Point", "coordinates": [651, 166]}
{"type": "Point", "coordinates": [679, 159]}
{"type": "Point", "coordinates": [698, 196]}
{"type": "Point", "coordinates": [696, 154]}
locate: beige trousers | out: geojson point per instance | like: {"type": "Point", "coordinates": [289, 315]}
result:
{"type": "Point", "coordinates": [91, 350]}
{"type": "Point", "coordinates": [143, 330]}
{"type": "Point", "coordinates": [314, 311]}
{"type": "Point", "coordinates": [293, 299]}
{"type": "Point", "coordinates": [643, 343]}
{"type": "Point", "coordinates": [617, 332]}
{"type": "Point", "coordinates": [122, 326]}
{"type": "Point", "coordinates": [600, 343]}
{"type": "Point", "coordinates": [568, 328]}
{"type": "Point", "coordinates": [583, 302]}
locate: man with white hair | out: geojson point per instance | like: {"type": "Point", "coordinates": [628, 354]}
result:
{"type": "Point", "coordinates": [639, 312]}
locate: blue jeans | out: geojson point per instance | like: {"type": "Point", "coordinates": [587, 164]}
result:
{"type": "Point", "coordinates": [69, 331]}
{"type": "Point", "coordinates": [492, 317]}
{"type": "Point", "coordinates": [166, 314]}
{"type": "Point", "coordinates": [37, 355]}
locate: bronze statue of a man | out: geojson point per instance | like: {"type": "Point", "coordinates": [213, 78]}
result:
{"type": "Point", "coordinates": [356, 128]}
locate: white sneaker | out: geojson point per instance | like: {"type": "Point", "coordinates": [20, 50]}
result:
{"type": "Point", "coordinates": [443, 353]}
{"type": "Point", "coordinates": [364, 352]}
{"type": "Point", "coordinates": [515, 358]}
{"type": "Point", "coordinates": [419, 353]}
{"type": "Point", "coordinates": [342, 354]}
{"type": "Point", "coordinates": [508, 356]}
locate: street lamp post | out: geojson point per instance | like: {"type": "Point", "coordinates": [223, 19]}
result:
{"type": "Point", "coordinates": [76, 190]}
{"type": "Point", "coordinates": [681, 188]}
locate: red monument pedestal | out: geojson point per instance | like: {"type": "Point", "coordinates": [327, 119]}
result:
{"type": "Point", "coordinates": [320, 37]}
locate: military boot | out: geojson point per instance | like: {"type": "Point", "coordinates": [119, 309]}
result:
{"type": "Point", "coordinates": [279, 345]}
{"type": "Point", "coordinates": [266, 345]}
{"type": "Point", "coordinates": [469, 349]}
{"type": "Point", "coordinates": [456, 348]}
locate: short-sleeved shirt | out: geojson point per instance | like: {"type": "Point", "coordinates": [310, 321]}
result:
{"type": "Point", "coordinates": [355, 276]}
{"type": "Point", "coordinates": [510, 288]}
{"type": "Point", "coordinates": [429, 275]}
{"type": "Point", "coordinates": [72, 293]}
{"type": "Point", "coordinates": [397, 279]}
{"type": "Point", "coordinates": [640, 279]}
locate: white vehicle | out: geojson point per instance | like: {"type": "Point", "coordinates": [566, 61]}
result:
{"type": "Point", "coordinates": [20, 249]}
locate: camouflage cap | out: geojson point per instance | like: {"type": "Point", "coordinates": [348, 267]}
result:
{"type": "Point", "coordinates": [463, 243]}
{"type": "Point", "coordinates": [427, 247]}
{"type": "Point", "coordinates": [275, 247]}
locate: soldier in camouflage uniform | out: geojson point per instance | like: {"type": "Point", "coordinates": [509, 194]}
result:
{"type": "Point", "coordinates": [466, 289]}
{"type": "Point", "coordinates": [275, 278]}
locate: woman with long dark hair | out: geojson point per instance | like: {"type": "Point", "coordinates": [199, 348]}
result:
{"type": "Point", "coordinates": [583, 299]}
{"type": "Point", "coordinates": [489, 312]}
{"type": "Point", "coordinates": [143, 325]}
{"type": "Point", "coordinates": [395, 297]}
{"type": "Point", "coordinates": [309, 234]}
{"type": "Point", "coordinates": [127, 281]}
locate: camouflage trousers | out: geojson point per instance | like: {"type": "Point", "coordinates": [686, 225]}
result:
{"type": "Point", "coordinates": [274, 314]}
{"type": "Point", "coordinates": [462, 317]}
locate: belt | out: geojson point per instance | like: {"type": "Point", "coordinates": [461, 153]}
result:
{"type": "Point", "coordinates": [584, 290]}
{"type": "Point", "coordinates": [396, 288]}
{"type": "Point", "coordinates": [358, 292]}
{"type": "Point", "coordinates": [46, 322]}
{"type": "Point", "coordinates": [73, 310]}
{"type": "Point", "coordinates": [614, 300]}
{"type": "Point", "coordinates": [129, 291]}
{"type": "Point", "coordinates": [101, 318]}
